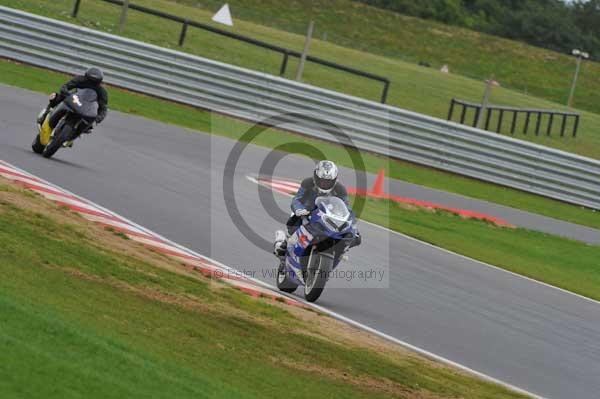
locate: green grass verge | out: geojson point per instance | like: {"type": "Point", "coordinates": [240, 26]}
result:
{"type": "Point", "coordinates": [391, 42]}
{"type": "Point", "coordinates": [564, 263]}
{"type": "Point", "coordinates": [45, 81]}
{"type": "Point", "coordinates": [81, 318]}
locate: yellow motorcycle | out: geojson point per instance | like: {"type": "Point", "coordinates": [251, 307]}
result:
{"type": "Point", "coordinates": [72, 117]}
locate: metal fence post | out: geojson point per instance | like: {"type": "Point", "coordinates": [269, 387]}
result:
{"type": "Point", "coordinates": [183, 32]}
{"type": "Point", "coordinates": [500, 117]}
{"type": "Point", "coordinates": [526, 127]}
{"type": "Point", "coordinates": [463, 113]}
{"type": "Point", "coordinates": [451, 110]}
{"type": "Point", "coordinates": [76, 8]}
{"type": "Point", "coordinates": [563, 125]}
{"type": "Point", "coordinates": [487, 118]}
{"type": "Point", "coordinates": [284, 63]}
{"type": "Point", "coordinates": [384, 94]}
{"type": "Point", "coordinates": [514, 123]}
{"type": "Point", "coordinates": [576, 125]}
{"type": "Point", "coordinates": [476, 116]}
{"type": "Point", "coordinates": [549, 131]}
{"type": "Point", "coordinates": [538, 123]}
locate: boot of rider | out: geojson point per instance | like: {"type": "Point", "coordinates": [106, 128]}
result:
{"type": "Point", "coordinates": [280, 245]}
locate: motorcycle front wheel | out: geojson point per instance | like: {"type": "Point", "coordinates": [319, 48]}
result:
{"type": "Point", "coordinates": [37, 146]}
{"type": "Point", "coordinates": [57, 140]}
{"type": "Point", "coordinates": [284, 282]}
{"type": "Point", "coordinates": [317, 273]}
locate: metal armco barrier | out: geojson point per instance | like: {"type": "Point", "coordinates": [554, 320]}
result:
{"type": "Point", "coordinates": [257, 96]}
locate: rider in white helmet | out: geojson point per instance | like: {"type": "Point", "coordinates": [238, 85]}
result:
{"type": "Point", "coordinates": [323, 182]}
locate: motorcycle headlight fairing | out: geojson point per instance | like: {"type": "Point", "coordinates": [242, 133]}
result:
{"type": "Point", "coordinates": [336, 224]}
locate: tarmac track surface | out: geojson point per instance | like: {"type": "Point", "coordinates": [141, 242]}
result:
{"type": "Point", "coordinates": [170, 180]}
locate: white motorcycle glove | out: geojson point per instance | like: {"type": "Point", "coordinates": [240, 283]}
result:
{"type": "Point", "coordinates": [301, 212]}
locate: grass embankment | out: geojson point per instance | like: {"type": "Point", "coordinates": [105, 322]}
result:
{"type": "Point", "coordinates": [45, 81]}
{"type": "Point", "coordinates": [568, 264]}
{"type": "Point", "coordinates": [391, 43]}
{"type": "Point", "coordinates": [86, 313]}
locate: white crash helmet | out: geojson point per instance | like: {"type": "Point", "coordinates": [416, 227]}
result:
{"type": "Point", "coordinates": [325, 176]}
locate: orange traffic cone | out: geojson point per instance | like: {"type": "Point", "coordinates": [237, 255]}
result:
{"type": "Point", "coordinates": [378, 186]}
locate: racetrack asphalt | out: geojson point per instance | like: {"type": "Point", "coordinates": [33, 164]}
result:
{"type": "Point", "coordinates": [170, 180]}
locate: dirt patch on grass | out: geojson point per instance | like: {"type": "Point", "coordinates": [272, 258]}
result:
{"type": "Point", "coordinates": [321, 326]}
{"type": "Point", "coordinates": [21, 198]}
{"type": "Point", "coordinates": [439, 32]}
{"type": "Point", "coordinates": [382, 385]}
{"type": "Point", "coordinates": [186, 301]}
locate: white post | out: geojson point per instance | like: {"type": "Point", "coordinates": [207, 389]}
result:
{"type": "Point", "coordinates": [123, 19]}
{"type": "Point", "coordinates": [300, 71]}
{"type": "Point", "coordinates": [484, 102]}
{"type": "Point", "coordinates": [572, 92]}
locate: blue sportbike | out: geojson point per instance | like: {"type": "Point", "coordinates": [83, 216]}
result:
{"type": "Point", "coordinates": [315, 249]}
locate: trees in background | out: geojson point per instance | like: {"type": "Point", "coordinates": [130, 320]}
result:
{"type": "Point", "coordinates": [552, 24]}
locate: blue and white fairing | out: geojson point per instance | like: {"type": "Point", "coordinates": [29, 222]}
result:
{"type": "Point", "coordinates": [331, 221]}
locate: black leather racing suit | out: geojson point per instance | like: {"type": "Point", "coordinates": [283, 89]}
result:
{"type": "Point", "coordinates": [79, 82]}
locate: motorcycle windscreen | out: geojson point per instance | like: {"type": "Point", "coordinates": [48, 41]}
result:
{"type": "Point", "coordinates": [333, 206]}
{"type": "Point", "coordinates": [84, 103]}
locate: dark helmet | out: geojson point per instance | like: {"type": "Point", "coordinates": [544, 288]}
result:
{"type": "Point", "coordinates": [325, 176]}
{"type": "Point", "coordinates": [94, 75]}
